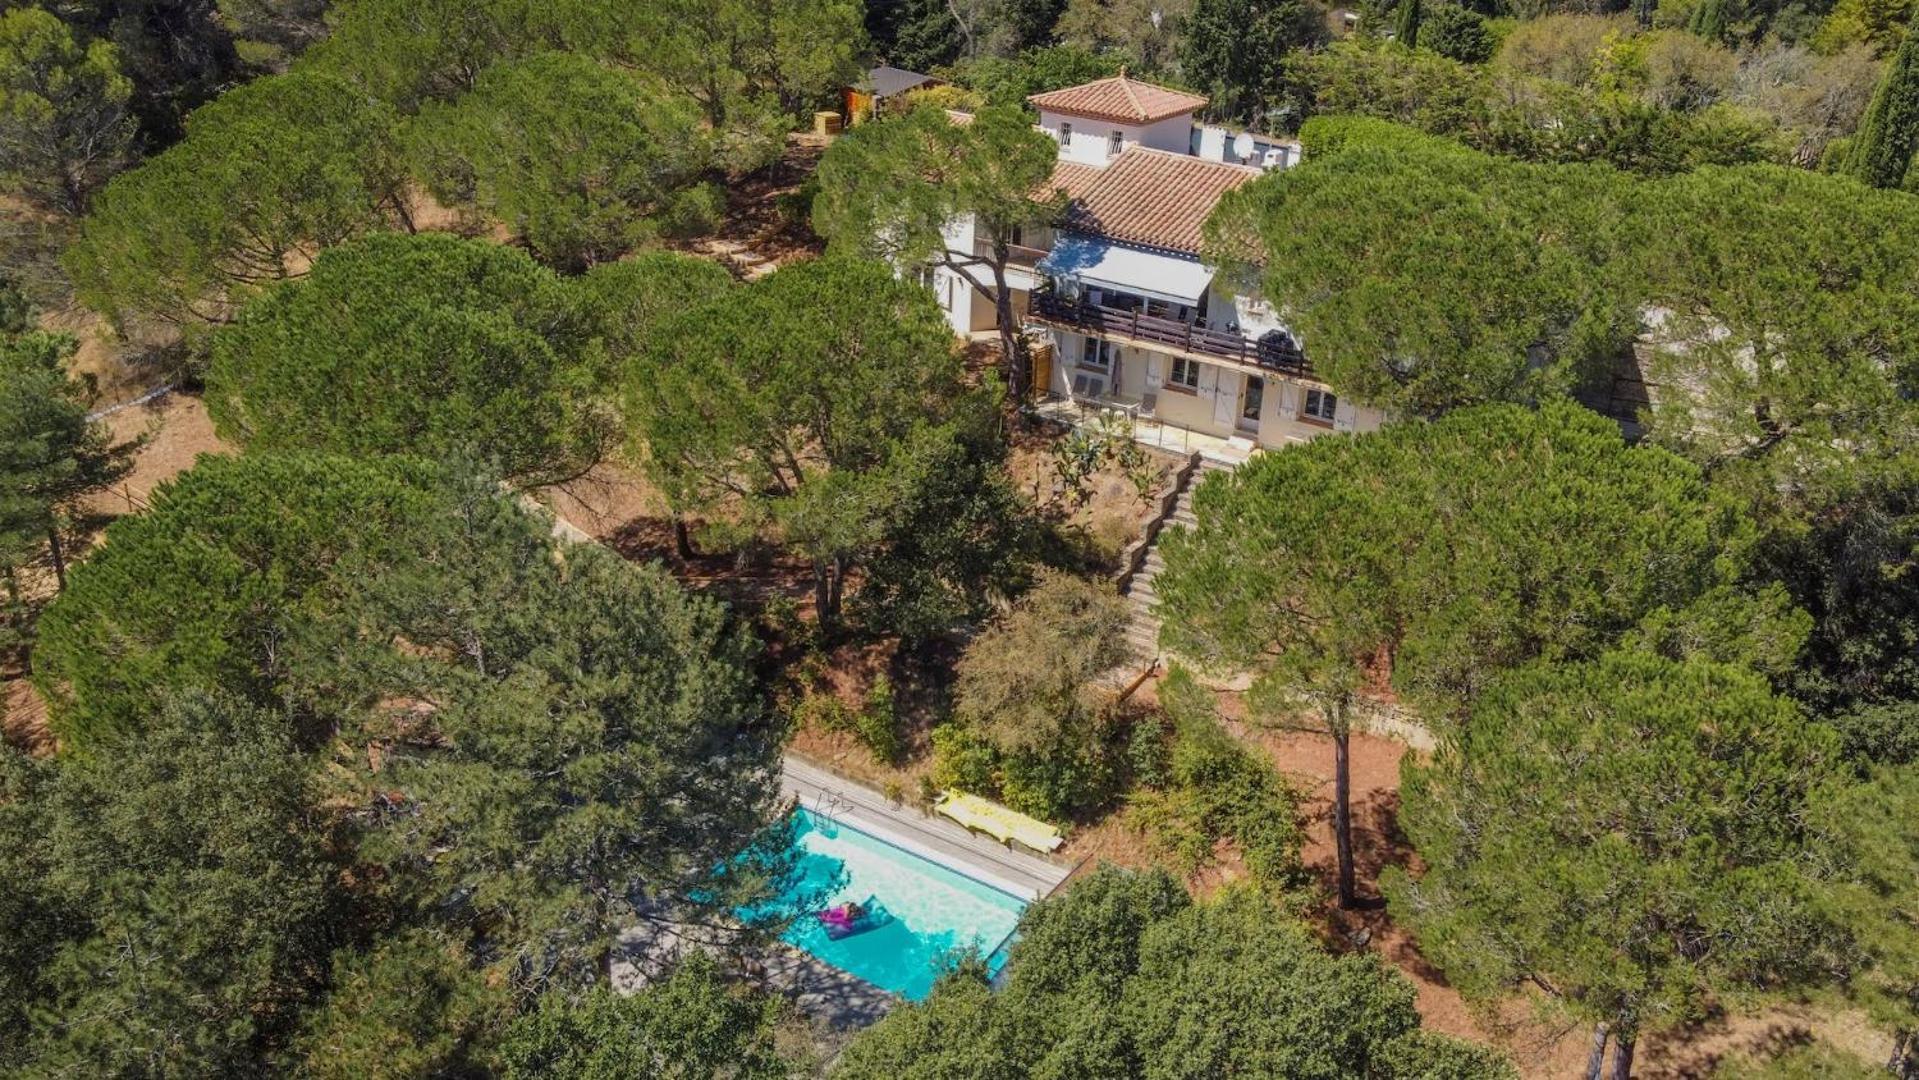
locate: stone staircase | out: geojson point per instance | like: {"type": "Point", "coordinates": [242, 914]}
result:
{"type": "Point", "coordinates": [1143, 633]}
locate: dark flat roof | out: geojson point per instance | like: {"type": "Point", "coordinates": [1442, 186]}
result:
{"type": "Point", "coordinates": [884, 81]}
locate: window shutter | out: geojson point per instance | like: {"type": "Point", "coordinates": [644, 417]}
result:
{"type": "Point", "coordinates": [1155, 373]}
{"type": "Point", "coordinates": [1343, 416]}
{"type": "Point", "coordinates": [1288, 403]}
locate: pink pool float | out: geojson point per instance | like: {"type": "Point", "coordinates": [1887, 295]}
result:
{"type": "Point", "coordinates": [844, 920]}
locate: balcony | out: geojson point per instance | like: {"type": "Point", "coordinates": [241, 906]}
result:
{"type": "Point", "coordinates": [1275, 352]}
{"type": "Point", "coordinates": [1018, 256]}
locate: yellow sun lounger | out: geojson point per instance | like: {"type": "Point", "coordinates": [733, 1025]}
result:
{"type": "Point", "coordinates": [998, 822]}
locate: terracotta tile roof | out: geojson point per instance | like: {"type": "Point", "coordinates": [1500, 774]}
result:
{"type": "Point", "coordinates": [1119, 98]}
{"type": "Point", "coordinates": [1154, 197]}
{"type": "Point", "coordinates": [1070, 178]}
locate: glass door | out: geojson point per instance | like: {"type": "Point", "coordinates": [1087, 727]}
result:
{"type": "Point", "coordinates": [1250, 401]}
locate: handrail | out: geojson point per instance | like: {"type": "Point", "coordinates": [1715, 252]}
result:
{"type": "Point", "coordinates": [1277, 355]}
{"type": "Point", "coordinates": [1016, 254]}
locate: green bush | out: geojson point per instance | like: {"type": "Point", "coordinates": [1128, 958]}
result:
{"type": "Point", "coordinates": [1216, 789]}
{"type": "Point", "coordinates": [824, 711]}
{"type": "Point", "coordinates": [694, 212]}
{"type": "Point", "coordinates": [1453, 32]}
{"type": "Point", "coordinates": [1056, 784]}
{"type": "Point", "coordinates": [877, 724]}
{"type": "Point", "coordinates": [964, 761]}
{"type": "Point", "coordinates": [1149, 749]}
{"type": "Point", "coordinates": [1075, 778]}
{"type": "Point", "coordinates": [1173, 821]}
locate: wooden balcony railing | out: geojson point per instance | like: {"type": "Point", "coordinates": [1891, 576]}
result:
{"type": "Point", "coordinates": [1275, 352]}
{"type": "Point", "coordinates": [1026, 258]}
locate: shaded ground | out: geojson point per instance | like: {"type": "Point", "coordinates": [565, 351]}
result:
{"type": "Point", "coordinates": [173, 431]}
{"type": "Point", "coordinates": [1540, 1048]}
{"type": "Point", "coordinates": [764, 225]}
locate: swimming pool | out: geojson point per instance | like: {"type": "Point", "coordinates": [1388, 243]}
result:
{"type": "Point", "coordinates": [934, 911]}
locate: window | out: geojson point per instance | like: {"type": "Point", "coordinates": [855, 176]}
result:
{"type": "Point", "coordinates": [1098, 354]}
{"type": "Point", "coordinates": [1115, 143]}
{"type": "Point", "coordinates": [1185, 373]}
{"type": "Point", "coordinates": [1321, 405]}
{"type": "Point", "coordinates": [1166, 309]}
{"type": "Point", "coordinates": [1065, 133]}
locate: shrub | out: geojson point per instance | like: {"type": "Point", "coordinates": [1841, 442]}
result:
{"type": "Point", "coordinates": [1452, 31]}
{"type": "Point", "coordinates": [964, 761]}
{"type": "Point", "coordinates": [876, 723]}
{"type": "Point", "coordinates": [824, 711]}
{"type": "Point", "coordinates": [1216, 789]}
{"type": "Point", "coordinates": [1027, 704]}
{"type": "Point", "coordinates": [1149, 751]}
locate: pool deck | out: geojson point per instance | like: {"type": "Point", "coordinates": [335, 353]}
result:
{"type": "Point", "coordinates": [939, 839]}
{"type": "Point", "coordinates": [842, 1002]}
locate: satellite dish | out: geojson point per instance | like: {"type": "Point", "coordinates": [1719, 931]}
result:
{"type": "Point", "coordinates": [1243, 145]}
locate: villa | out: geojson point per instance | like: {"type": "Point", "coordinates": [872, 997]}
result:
{"type": "Point", "coordinates": [1128, 314]}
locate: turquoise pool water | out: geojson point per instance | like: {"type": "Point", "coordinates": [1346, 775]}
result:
{"type": "Point", "coordinates": [934, 911]}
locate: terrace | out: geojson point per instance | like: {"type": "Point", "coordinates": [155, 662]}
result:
{"type": "Point", "coordinates": [1274, 352]}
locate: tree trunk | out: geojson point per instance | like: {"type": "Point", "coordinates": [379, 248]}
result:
{"type": "Point", "coordinates": [1343, 811]}
{"type": "Point", "coordinates": [1012, 347]}
{"type": "Point", "coordinates": [837, 596]}
{"type": "Point", "coordinates": [1622, 1051]}
{"type": "Point", "coordinates": [823, 598]}
{"type": "Point", "coordinates": [683, 540]}
{"type": "Point", "coordinates": [59, 557]}
{"type": "Point", "coordinates": [406, 215]}
{"type": "Point", "coordinates": [1596, 1061]}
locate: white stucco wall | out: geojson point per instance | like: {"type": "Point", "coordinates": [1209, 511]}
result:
{"type": "Point", "coordinates": [1213, 407]}
{"type": "Point", "coordinates": [1090, 140]}
{"type": "Point", "coordinates": [1216, 144]}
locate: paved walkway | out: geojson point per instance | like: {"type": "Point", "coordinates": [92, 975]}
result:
{"type": "Point", "coordinates": [925, 834]}
{"type": "Point", "coordinates": [1148, 431]}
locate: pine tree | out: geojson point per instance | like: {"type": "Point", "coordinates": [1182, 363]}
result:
{"type": "Point", "coordinates": [1709, 20]}
{"type": "Point", "coordinates": [1406, 31]}
{"type": "Point", "coordinates": [51, 455]}
{"type": "Point", "coordinates": [1883, 149]}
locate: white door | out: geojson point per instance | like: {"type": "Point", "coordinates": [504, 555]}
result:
{"type": "Point", "coordinates": [1225, 394]}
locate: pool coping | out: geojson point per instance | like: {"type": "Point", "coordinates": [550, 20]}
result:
{"type": "Point", "coordinates": [998, 946]}
{"type": "Point", "coordinates": [942, 842]}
